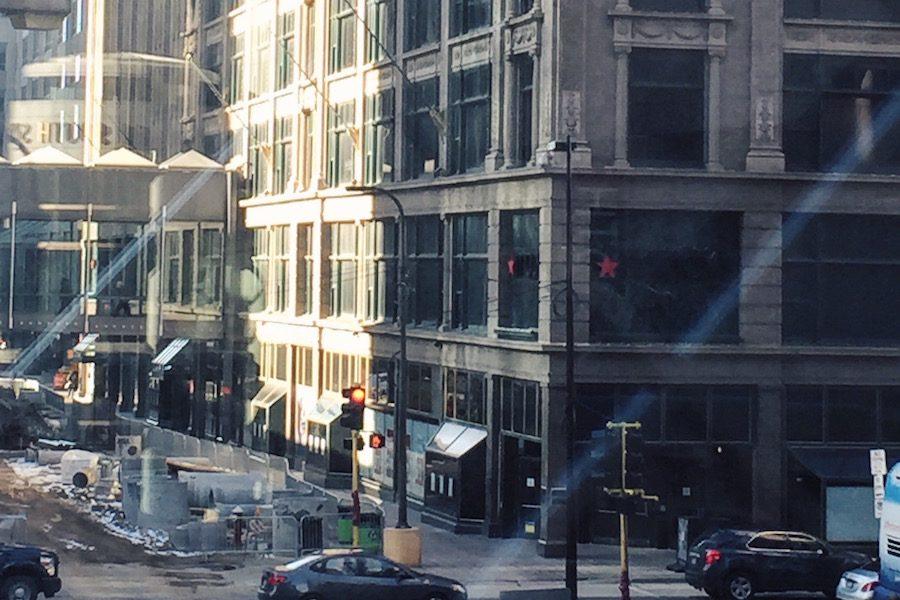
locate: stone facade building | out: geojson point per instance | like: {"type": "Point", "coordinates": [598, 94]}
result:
{"type": "Point", "coordinates": [736, 246]}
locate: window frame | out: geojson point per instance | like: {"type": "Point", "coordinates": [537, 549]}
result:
{"type": "Point", "coordinates": [465, 106]}
{"type": "Point", "coordinates": [462, 261]}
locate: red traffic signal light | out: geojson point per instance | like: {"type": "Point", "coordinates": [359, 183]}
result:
{"type": "Point", "coordinates": [356, 394]}
{"type": "Point", "coordinates": [376, 441]}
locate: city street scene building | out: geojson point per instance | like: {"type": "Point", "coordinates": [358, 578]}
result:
{"type": "Point", "coordinates": [542, 271]}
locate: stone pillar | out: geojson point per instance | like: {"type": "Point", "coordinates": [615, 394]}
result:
{"type": "Point", "coordinates": [552, 312]}
{"type": "Point", "coordinates": [509, 110]}
{"type": "Point", "coordinates": [553, 466]}
{"type": "Point", "coordinates": [493, 272]}
{"type": "Point", "coordinates": [535, 105]}
{"type": "Point", "coordinates": [766, 59]}
{"type": "Point", "coordinates": [501, 74]}
{"type": "Point", "coordinates": [760, 293]}
{"type": "Point", "coordinates": [768, 454]}
{"type": "Point", "coordinates": [621, 156]}
{"type": "Point", "coordinates": [713, 161]}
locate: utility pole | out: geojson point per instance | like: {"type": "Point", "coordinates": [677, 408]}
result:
{"type": "Point", "coordinates": [571, 498]}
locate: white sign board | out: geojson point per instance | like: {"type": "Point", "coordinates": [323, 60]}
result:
{"type": "Point", "coordinates": [878, 485]}
{"type": "Point", "coordinates": [878, 462]}
{"type": "Point", "coordinates": [879, 507]}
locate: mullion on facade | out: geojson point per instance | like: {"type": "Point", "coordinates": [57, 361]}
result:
{"type": "Point", "coordinates": [465, 396]}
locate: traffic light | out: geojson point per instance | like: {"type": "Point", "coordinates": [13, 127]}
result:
{"type": "Point", "coordinates": [376, 441]}
{"type": "Point", "coordinates": [606, 459]}
{"type": "Point", "coordinates": [352, 411]}
{"type": "Point", "coordinates": [634, 459]}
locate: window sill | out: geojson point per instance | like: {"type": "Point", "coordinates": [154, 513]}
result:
{"type": "Point", "coordinates": [841, 22]}
{"type": "Point", "coordinates": [512, 333]}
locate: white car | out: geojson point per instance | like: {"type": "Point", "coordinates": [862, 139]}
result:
{"type": "Point", "coordinates": [858, 584]}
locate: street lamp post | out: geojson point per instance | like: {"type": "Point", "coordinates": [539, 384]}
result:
{"type": "Point", "coordinates": [401, 404]}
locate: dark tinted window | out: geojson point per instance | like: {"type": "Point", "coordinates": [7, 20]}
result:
{"type": "Point", "coordinates": [851, 414]}
{"type": "Point", "coordinates": [664, 275]}
{"type": "Point", "coordinates": [666, 92]}
{"type": "Point", "coordinates": [519, 273]}
{"type": "Point", "coordinates": [834, 279]}
{"type": "Point", "coordinates": [857, 10]}
{"type": "Point", "coordinates": [837, 114]}
{"type": "Point", "coordinates": [804, 414]}
{"type": "Point", "coordinates": [669, 5]}
{"type": "Point", "coordinates": [770, 541]}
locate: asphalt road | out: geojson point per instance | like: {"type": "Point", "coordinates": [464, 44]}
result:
{"type": "Point", "coordinates": [96, 565]}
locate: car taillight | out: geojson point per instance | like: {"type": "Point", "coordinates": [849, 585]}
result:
{"type": "Point", "coordinates": [275, 579]}
{"type": "Point", "coordinates": [712, 556]}
{"type": "Point", "coordinates": [869, 586]}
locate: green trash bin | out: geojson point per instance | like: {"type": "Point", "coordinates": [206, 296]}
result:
{"type": "Point", "coordinates": [370, 531]}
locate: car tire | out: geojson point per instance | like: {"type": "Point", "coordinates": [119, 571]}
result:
{"type": "Point", "coordinates": [19, 587]}
{"type": "Point", "coordinates": [739, 586]}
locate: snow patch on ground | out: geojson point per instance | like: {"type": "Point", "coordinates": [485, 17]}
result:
{"type": "Point", "coordinates": [108, 513]}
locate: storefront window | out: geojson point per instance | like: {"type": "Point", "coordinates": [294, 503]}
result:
{"type": "Point", "coordinates": [464, 396]}
{"type": "Point", "coordinates": [842, 414]}
{"type": "Point", "coordinates": [520, 406]}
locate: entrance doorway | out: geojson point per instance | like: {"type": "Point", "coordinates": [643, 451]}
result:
{"type": "Point", "coordinates": [520, 487]}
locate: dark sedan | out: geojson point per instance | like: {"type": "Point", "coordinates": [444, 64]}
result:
{"type": "Point", "coordinates": [738, 564]}
{"type": "Point", "coordinates": [353, 575]}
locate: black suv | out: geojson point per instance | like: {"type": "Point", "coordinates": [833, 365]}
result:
{"type": "Point", "coordinates": [26, 571]}
{"type": "Point", "coordinates": [736, 564]}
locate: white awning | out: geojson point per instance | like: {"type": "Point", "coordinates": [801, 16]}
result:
{"type": "Point", "coordinates": [170, 352]}
{"type": "Point", "coordinates": [268, 395]}
{"type": "Point", "coordinates": [326, 411]}
{"type": "Point", "coordinates": [86, 342]}
{"type": "Point", "coordinates": [455, 440]}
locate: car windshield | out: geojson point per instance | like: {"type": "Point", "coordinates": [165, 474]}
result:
{"type": "Point", "coordinates": [447, 298]}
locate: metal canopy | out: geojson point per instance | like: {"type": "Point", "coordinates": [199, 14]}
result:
{"type": "Point", "coordinates": [327, 410]}
{"type": "Point", "coordinates": [170, 352]}
{"type": "Point", "coordinates": [455, 440]}
{"type": "Point", "coordinates": [86, 342]}
{"type": "Point", "coordinates": [268, 396]}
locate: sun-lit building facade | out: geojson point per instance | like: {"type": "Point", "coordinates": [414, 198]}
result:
{"type": "Point", "coordinates": [708, 302]}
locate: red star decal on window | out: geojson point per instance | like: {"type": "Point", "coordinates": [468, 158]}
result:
{"type": "Point", "coordinates": [608, 267]}
{"type": "Point", "coordinates": [511, 266]}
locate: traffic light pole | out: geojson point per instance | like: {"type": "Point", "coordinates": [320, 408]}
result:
{"type": "Point", "coordinates": [624, 579]}
{"type": "Point", "coordinates": [354, 486]}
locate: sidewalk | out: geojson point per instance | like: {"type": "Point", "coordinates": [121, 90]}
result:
{"type": "Point", "coordinates": [488, 566]}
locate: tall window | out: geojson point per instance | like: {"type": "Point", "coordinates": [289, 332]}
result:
{"type": "Point", "coordinates": [524, 70]}
{"type": "Point", "coordinates": [209, 268]}
{"type": "Point", "coordinates": [379, 20]}
{"type": "Point", "coordinates": [281, 260]}
{"type": "Point", "coordinates": [420, 387]}
{"type": "Point", "coordinates": [344, 257]}
{"type": "Point", "coordinates": [309, 40]}
{"type": "Point", "coordinates": [833, 112]}
{"type": "Point", "coordinates": [260, 77]}
{"type": "Point", "coordinates": [519, 269]}
{"type": "Point", "coordinates": [664, 276]}
{"type": "Point", "coordinates": [836, 276]}
{"type": "Point", "coordinates": [303, 366]}
{"type": "Point", "coordinates": [469, 273]}
{"type": "Point", "coordinates": [685, 6]}
{"type": "Point", "coordinates": [379, 137]}
{"type": "Point", "coordinates": [465, 396]}
{"type": "Point", "coordinates": [212, 60]}
{"type": "Point", "coordinates": [286, 46]}
{"type": "Point", "coordinates": [380, 250]}
{"type": "Point", "coordinates": [470, 118]}
{"type": "Point", "coordinates": [342, 41]}
{"type": "Point", "coordinates": [260, 260]}
{"type": "Point", "coordinates": [469, 15]}
{"type": "Point", "coordinates": [666, 108]}
{"type": "Point", "coordinates": [174, 261]}
{"type": "Point", "coordinates": [425, 241]}
{"type": "Point", "coordinates": [283, 154]}
{"type": "Point", "coordinates": [858, 10]}
{"type": "Point", "coordinates": [309, 136]}
{"type": "Point", "coordinates": [237, 68]}
{"type": "Point", "coordinates": [523, 6]}
{"type": "Point", "coordinates": [520, 405]}
{"type": "Point", "coordinates": [423, 22]}
{"type": "Point", "coordinates": [421, 133]}
{"type": "Point", "coordinates": [340, 144]}
{"type": "Point", "coordinates": [305, 266]}
{"type": "Point", "coordinates": [259, 162]}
